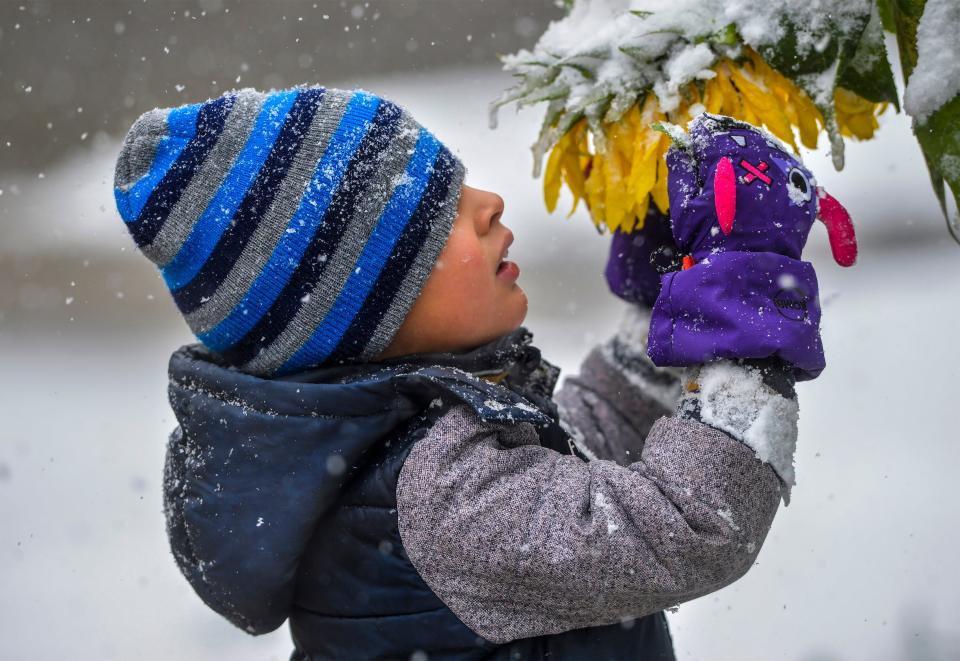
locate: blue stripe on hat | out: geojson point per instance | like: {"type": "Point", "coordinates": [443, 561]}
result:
{"type": "Point", "coordinates": [210, 121]}
{"type": "Point", "coordinates": [257, 201]}
{"type": "Point", "coordinates": [301, 228]}
{"type": "Point", "coordinates": [217, 216]}
{"type": "Point", "coordinates": [401, 261]}
{"type": "Point", "coordinates": [406, 196]}
{"type": "Point", "coordinates": [181, 126]}
{"type": "Point", "coordinates": [326, 240]}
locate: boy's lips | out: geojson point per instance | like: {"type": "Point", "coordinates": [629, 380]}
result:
{"type": "Point", "coordinates": [505, 269]}
{"type": "Point", "coordinates": [507, 242]}
{"type": "Point", "coordinates": [508, 271]}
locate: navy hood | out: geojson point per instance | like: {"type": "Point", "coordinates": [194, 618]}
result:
{"type": "Point", "coordinates": [256, 463]}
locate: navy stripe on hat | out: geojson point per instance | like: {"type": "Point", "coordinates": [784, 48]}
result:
{"type": "Point", "coordinates": [284, 229]}
{"type": "Point", "coordinates": [325, 240]}
{"type": "Point", "coordinates": [213, 175]}
{"type": "Point", "coordinates": [218, 214]}
{"type": "Point", "coordinates": [364, 230]}
{"type": "Point", "coordinates": [210, 121]}
{"type": "Point", "coordinates": [408, 247]}
{"type": "Point", "coordinates": [379, 247]}
{"type": "Point", "coordinates": [153, 144]}
{"type": "Point", "coordinates": [290, 250]}
{"type": "Point", "coordinates": [257, 201]}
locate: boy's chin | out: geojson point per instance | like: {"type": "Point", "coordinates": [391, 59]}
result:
{"type": "Point", "coordinates": [509, 316]}
{"type": "Point", "coordinates": [518, 308]}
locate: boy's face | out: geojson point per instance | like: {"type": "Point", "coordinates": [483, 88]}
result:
{"type": "Point", "coordinates": [472, 295]}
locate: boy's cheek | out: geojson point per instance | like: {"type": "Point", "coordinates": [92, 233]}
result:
{"type": "Point", "coordinates": [471, 268]}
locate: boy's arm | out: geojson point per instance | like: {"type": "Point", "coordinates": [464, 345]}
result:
{"type": "Point", "coordinates": [520, 541]}
{"type": "Point", "coordinates": [610, 406]}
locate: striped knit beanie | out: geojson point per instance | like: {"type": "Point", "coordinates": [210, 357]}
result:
{"type": "Point", "coordinates": [294, 227]}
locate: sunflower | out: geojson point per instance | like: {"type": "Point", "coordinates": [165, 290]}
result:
{"type": "Point", "coordinates": [621, 172]}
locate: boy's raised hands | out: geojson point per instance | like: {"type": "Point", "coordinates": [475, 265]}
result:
{"type": "Point", "coordinates": [638, 259]}
{"type": "Point", "coordinates": [742, 207]}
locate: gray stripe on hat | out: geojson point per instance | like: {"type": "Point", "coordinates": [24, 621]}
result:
{"type": "Point", "coordinates": [208, 179]}
{"type": "Point", "coordinates": [274, 222]}
{"type": "Point", "coordinates": [388, 171]}
{"type": "Point", "coordinates": [413, 282]}
{"type": "Point", "coordinates": [139, 148]}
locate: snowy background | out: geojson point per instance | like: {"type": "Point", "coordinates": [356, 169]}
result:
{"type": "Point", "coordinates": [858, 567]}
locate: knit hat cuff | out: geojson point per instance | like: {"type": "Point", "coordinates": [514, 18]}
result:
{"type": "Point", "coordinates": [410, 289]}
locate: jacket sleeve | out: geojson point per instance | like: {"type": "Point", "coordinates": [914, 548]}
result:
{"type": "Point", "coordinates": [610, 406]}
{"type": "Point", "coordinates": [519, 540]}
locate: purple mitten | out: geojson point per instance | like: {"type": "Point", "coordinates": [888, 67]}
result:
{"type": "Point", "coordinates": [742, 207]}
{"type": "Point", "coordinates": [630, 273]}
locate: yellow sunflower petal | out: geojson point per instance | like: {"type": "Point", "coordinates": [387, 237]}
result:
{"type": "Point", "coordinates": [641, 213]}
{"type": "Point", "coordinates": [659, 192]}
{"type": "Point", "coordinates": [784, 94]}
{"type": "Point", "coordinates": [578, 159]}
{"type": "Point", "coordinates": [858, 125]}
{"type": "Point", "coordinates": [618, 202]}
{"type": "Point", "coordinates": [856, 116]}
{"type": "Point", "coordinates": [763, 104]}
{"type": "Point", "coordinates": [593, 188]}
{"type": "Point", "coordinates": [732, 103]}
{"type": "Point", "coordinates": [713, 96]}
{"type": "Point", "coordinates": [809, 119]}
{"type": "Point", "coordinates": [552, 178]}
{"type": "Point", "coordinates": [644, 174]}
{"type": "Point", "coordinates": [573, 178]}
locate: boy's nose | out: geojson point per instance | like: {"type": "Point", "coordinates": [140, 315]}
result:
{"type": "Point", "coordinates": [492, 212]}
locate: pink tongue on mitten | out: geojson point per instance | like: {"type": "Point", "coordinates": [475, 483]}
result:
{"type": "Point", "coordinates": [725, 194]}
{"type": "Point", "coordinates": [843, 240]}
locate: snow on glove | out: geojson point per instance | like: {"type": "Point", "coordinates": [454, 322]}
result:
{"type": "Point", "coordinates": [741, 208]}
{"type": "Point", "coordinates": [630, 273]}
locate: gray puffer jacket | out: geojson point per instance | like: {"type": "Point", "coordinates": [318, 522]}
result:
{"type": "Point", "coordinates": [519, 540]}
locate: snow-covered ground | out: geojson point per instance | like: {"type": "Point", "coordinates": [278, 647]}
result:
{"type": "Point", "coordinates": [858, 567]}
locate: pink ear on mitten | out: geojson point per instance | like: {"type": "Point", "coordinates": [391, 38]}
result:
{"type": "Point", "coordinates": [725, 194]}
{"type": "Point", "coordinates": [843, 240]}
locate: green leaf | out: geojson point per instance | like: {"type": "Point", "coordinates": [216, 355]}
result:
{"type": "Point", "coordinates": [817, 70]}
{"type": "Point", "coordinates": [640, 13]}
{"type": "Point", "coordinates": [867, 72]}
{"type": "Point", "coordinates": [622, 101]}
{"type": "Point", "coordinates": [639, 54]}
{"type": "Point", "coordinates": [549, 93]}
{"type": "Point", "coordinates": [677, 31]}
{"type": "Point", "coordinates": [939, 140]}
{"type": "Point", "coordinates": [906, 15]}
{"type": "Point", "coordinates": [596, 54]}
{"type": "Point", "coordinates": [727, 35]}
{"type": "Point", "coordinates": [885, 7]}
{"type": "Point", "coordinates": [535, 63]}
{"type": "Point", "coordinates": [584, 71]}
{"type": "Point", "coordinates": [849, 43]}
{"type": "Point", "coordinates": [939, 136]}
{"type": "Point", "coordinates": [678, 137]}
{"type": "Point", "coordinates": [785, 57]}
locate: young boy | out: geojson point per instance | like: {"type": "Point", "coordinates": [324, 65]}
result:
{"type": "Point", "coordinates": [369, 445]}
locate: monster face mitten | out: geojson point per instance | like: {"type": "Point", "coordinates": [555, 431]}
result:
{"type": "Point", "coordinates": [741, 208]}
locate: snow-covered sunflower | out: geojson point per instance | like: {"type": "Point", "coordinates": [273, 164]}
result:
{"type": "Point", "coordinates": [611, 69]}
